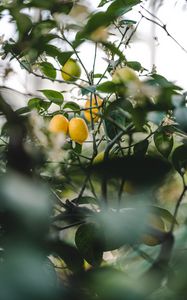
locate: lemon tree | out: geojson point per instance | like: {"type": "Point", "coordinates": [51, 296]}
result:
{"type": "Point", "coordinates": [93, 166]}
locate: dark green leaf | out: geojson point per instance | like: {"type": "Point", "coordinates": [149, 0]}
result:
{"type": "Point", "coordinates": [64, 56]}
{"type": "Point", "coordinates": [163, 142]}
{"type": "Point", "coordinates": [72, 105]}
{"type": "Point", "coordinates": [179, 158]}
{"type": "Point", "coordinates": [53, 96]}
{"type": "Point", "coordinates": [114, 50]}
{"type": "Point", "coordinates": [103, 2]}
{"type": "Point", "coordinates": [121, 7]}
{"type": "Point", "coordinates": [140, 148]}
{"type": "Point", "coordinates": [107, 87]}
{"type": "Point", "coordinates": [48, 69]}
{"type": "Point", "coordinates": [99, 75]}
{"type": "Point", "coordinates": [127, 22]}
{"type": "Point", "coordinates": [88, 242]}
{"type": "Point", "coordinates": [22, 110]}
{"type": "Point", "coordinates": [85, 200]}
{"type": "Point", "coordinates": [164, 213]}
{"type": "Point", "coordinates": [38, 103]}
{"type": "Point", "coordinates": [141, 170]}
{"type": "Point", "coordinates": [135, 65]}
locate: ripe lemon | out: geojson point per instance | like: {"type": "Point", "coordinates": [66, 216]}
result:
{"type": "Point", "coordinates": [96, 104]}
{"type": "Point", "coordinates": [78, 130]}
{"type": "Point", "coordinates": [58, 123]}
{"type": "Point", "coordinates": [98, 158]}
{"type": "Point", "coordinates": [71, 71]}
{"type": "Point", "coordinates": [124, 75]}
{"type": "Point", "coordinates": [156, 222]}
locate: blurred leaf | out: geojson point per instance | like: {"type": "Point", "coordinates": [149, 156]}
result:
{"type": "Point", "coordinates": [179, 158]}
{"type": "Point", "coordinates": [114, 50]}
{"type": "Point", "coordinates": [127, 22]}
{"type": "Point", "coordinates": [23, 21]}
{"type": "Point", "coordinates": [142, 170]}
{"type": "Point", "coordinates": [88, 241]}
{"type": "Point", "coordinates": [85, 200]}
{"type": "Point", "coordinates": [163, 142]}
{"type": "Point", "coordinates": [135, 65]}
{"type": "Point", "coordinates": [99, 75]}
{"type": "Point", "coordinates": [22, 110]}
{"type": "Point", "coordinates": [163, 82]}
{"type": "Point", "coordinates": [53, 96]}
{"type": "Point", "coordinates": [180, 114]}
{"type": "Point", "coordinates": [68, 253]}
{"type": "Point", "coordinates": [140, 148]}
{"type": "Point", "coordinates": [88, 89]}
{"type": "Point", "coordinates": [164, 213]}
{"type": "Point", "coordinates": [103, 2]}
{"type": "Point", "coordinates": [48, 69]}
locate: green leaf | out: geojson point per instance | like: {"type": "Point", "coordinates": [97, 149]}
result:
{"type": "Point", "coordinates": [72, 105]}
{"type": "Point", "coordinates": [179, 158]}
{"type": "Point", "coordinates": [88, 242]}
{"type": "Point", "coordinates": [22, 110]}
{"type": "Point", "coordinates": [48, 69]}
{"type": "Point", "coordinates": [103, 2]}
{"type": "Point", "coordinates": [53, 96]}
{"type": "Point", "coordinates": [163, 142]}
{"type": "Point", "coordinates": [135, 65]}
{"type": "Point", "coordinates": [163, 82]}
{"type": "Point", "coordinates": [127, 22]}
{"type": "Point", "coordinates": [121, 7]}
{"type": "Point", "coordinates": [140, 148]}
{"type": "Point", "coordinates": [99, 75]}
{"type": "Point", "coordinates": [64, 56]}
{"type": "Point", "coordinates": [107, 87]}
{"type": "Point", "coordinates": [38, 103]}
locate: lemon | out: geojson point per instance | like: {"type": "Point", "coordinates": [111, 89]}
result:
{"type": "Point", "coordinates": [78, 130]}
{"type": "Point", "coordinates": [71, 71]}
{"type": "Point", "coordinates": [124, 75]}
{"type": "Point", "coordinates": [156, 222]}
{"type": "Point", "coordinates": [98, 158]}
{"type": "Point", "coordinates": [99, 35]}
{"type": "Point", "coordinates": [58, 123]}
{"type": "Point", "coordinates": [96, 104]}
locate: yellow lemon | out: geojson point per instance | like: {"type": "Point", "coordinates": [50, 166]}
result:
{"type": "Point", "coordinates": [90, 112]}
{"type": "Point", "coordinates": [71, 71]}
{"type": "Point", "coordinates": [78, 130]}
{"type": "Point", "coordinates": [99, 157]}
{"type": "Point", "coordinates": [99, 35]}
{"type": "Point", "coordinates": [58, 123]}
{"type": "Point", "coordinates": [124, 75]}
{"type": "Point", "coordinates": [156, 222]}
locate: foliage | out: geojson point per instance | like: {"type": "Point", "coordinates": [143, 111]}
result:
{"type": "Point", "coordinates": [72, 228]}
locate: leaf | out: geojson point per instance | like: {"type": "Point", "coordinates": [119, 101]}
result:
{"type": "Point", "coordinates": [47, 69]}
{"type": "Point", "coordinates": [163, 82]}
{"type": "Point", "coordinates": [99, 75]}
{"type": "Point", "coordinates": [121, 7]}
{"type": "Point", "coordinates": [127, 22]}
{"type": "Point", "coordinates": [38, 103]}
{"type": "Point", "coordinates": [68, 253]}
{"type": "Point", "coordinates": [135, 65]}
{"type": "Point", "coordinates": [181, 117]}
{"type": "Point", "coordinates": [164, 213]}
{"type": "Point", "coordinates": [141, 170]}
{"type": "Point", "coordinates": [72, 105]}
{"type": "Point", "coordinates": [140, 148]}
{"type": "Point", "coordinates": [179, 158]}
{"type": "Point", "coordinates": [103, 2]}
{"type": "Point", "coordinates": [64, 56]}
{"type": "Point", "coordinates": [53, 96]}
{"type": "Point", "coordinates": [88, 242]}
{"type": "Point", "coordinates": [107, 87]}
{"type": "Point", "coordinates": [163, 142]}
{"type": "Point", "coordinates": [22, 110]}
{"type": "Point", "coordinates": [85, 200]}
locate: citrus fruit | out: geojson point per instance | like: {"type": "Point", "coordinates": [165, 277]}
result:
{"type": "Point", "coordinates": [78, 130]}
{"type": "Point", "coordinates": [99, 35]}
{"type": "Point", "coordinates": [124, 75]}
{"type": "Point", "coordinates": [71, 71]}
{"type": "Point", "coordinates": [99, 157]}
{"type": "Point", "coordinates": [58, 123]}
{"type": "Point", "coordinates": [90, 113]}
{"type": "Point", "coordinates": [156, 222]}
